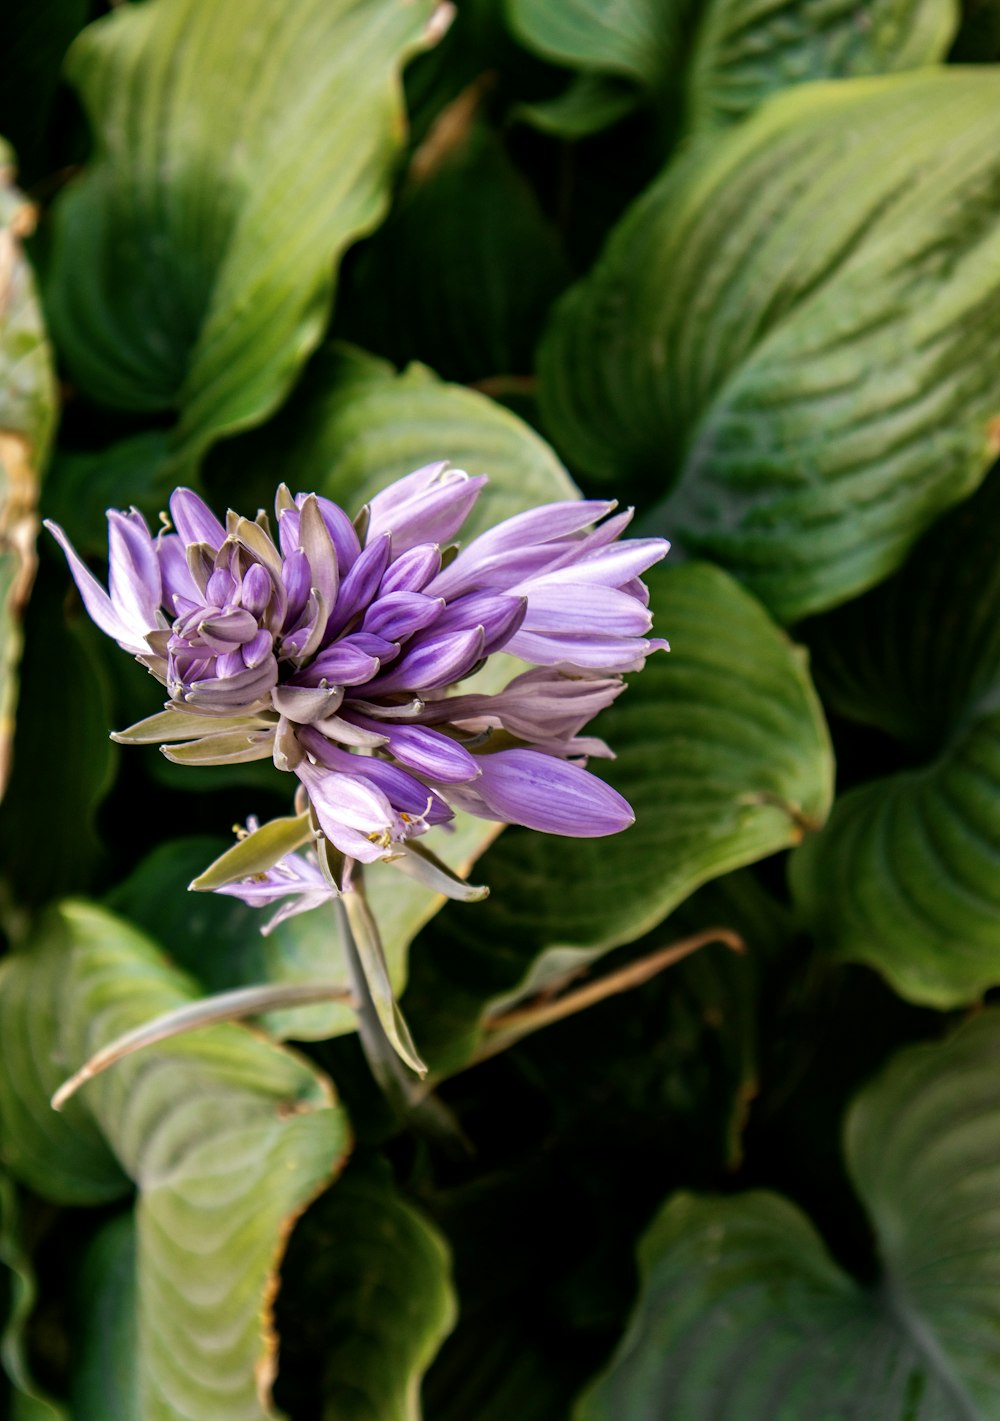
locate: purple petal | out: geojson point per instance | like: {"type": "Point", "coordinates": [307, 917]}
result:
{"type": "Point", "coordinates": [511, 543]}
{"type": "Point", "coordinates": [579, 607]}
{"type": "Point", "coordinates": [427, 506]}
{"type": "Point", "coordinates": [96, 600]}
{"type": "Point", "coordinates": [360, 585]}
{"type": "Point", "coordinates": [258, 648]}
{"type": "Point", "coordinates": [342, 531]}
{"type": "Point", "coordinates": [317, 544]}
{"type": "Point", "coordinates": [498, 614]}
{"type": "Point", "coordinates": [437, 661]}
{"type": "Point", "coordinates": [194, 520]}
{"type": "Point", "coordinates": [405, 793]}
{"type": "Point", "coordinates": [397, 615]}
{"type": "Point", "coordinates": [228, 693]}
{"type": "Point", "coordinates": [342, 665]}
{"type": "Point", "coordinates": [134, 571]}
{"type": "Point", "coordinates": [228, 629]}
{"type": "Point", "coordinates": [554, 796]}
{"type": "Point", "coordinates": [613, 566]}
{"type": "Point", "coordinates": [295, 576]}
{"type": "Point", "coordinates": [590, 653]}
{"type": "Point", "coordinates": [353, 813]}
{"type": "Point", "coordinates": [536, 704]}
{"type": "Point", "coordinates": [174, 571]}
{"type": "Point", "coordinates": [256, 590]}
{"type": "Point", "coordinates": [412, 571]}
{"type": "Point", "coordinates": [427, 751]}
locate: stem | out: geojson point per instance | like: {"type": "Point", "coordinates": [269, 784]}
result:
{"type": "Point", "coordinates": [395, 1081]}
{"type": "Point", "coordinates": [512, 1026]}
{"type": "Point", "coordinates": [408, 1098]}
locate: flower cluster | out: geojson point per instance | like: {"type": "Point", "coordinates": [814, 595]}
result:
{"type": "Point", "coordinates": [334, 648]}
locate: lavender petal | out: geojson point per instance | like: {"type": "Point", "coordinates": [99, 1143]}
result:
{"type": "Point", "coordinates": [436, 661]}
{"type": "Point", "coordinates": [98, 603]}
{"type": "Point", "coordinates": [427, 506]}
{"type": "Point", "coordinates": [194, 520]}
{"type": "Point", "coordinates": [553, 796]}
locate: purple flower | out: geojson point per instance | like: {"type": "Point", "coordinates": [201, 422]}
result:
{"type": "Point", "coordinates": [334, 646]}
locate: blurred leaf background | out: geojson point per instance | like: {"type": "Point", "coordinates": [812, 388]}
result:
{"type": "Point", "coordinates": [735, 262]}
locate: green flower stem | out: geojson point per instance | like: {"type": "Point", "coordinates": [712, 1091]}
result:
{"type": "Point", "coordinates": [407, 1096]}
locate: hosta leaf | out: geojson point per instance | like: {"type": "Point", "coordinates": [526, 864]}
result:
{"type": "Point", "coordinates": [743, 1313]}
{"type": "Point", "coordinates": [225, 1136]}
{"type": "Point", "coordinates": [745, 50]}
{"type": "Point", "coordinates": [464, 271]}
{"type": "Point", "coordinates": [27, 413]}
{"type": "Point", "coordinates": [369, 1277]}
{"type": "Point", "coordinates": [241, 147]}
{"type": "Point", "coordinates": [723, 753]}
{"type": "Point", "coordinates": [82, 486]}
{"type": "Point", "coordinates": [105, 1377]}
{"type": "Point", "coordinates": [722, 350]}
{"type": "Point", "coordinates": [17, 1298]}
{"type": "Point", "coordinates": [636, 39]}
{"type": "Point", "coordinates": [50, 843]}
{"type": "Point", "coordinates": [905, 875]}
{"type": "Point", "coordinates": [353, 426]}
{"type": "Point", "coordinates": [726, 56]}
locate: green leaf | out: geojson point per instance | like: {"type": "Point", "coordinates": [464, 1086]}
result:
{"type": "Point", "coordinates": [82, 486]}
{"type": "Point", "coordinates": [590, 103]}
{"type": "Point", "coordinates": [722, 350]}
{"type": "Point", "coordinates": [105, 1381]}
{"type": "Point", "coordinates": [743, 1313]}
{"type": "Point", "coordinates": [744, 51]}
{"type": "Point", "coordinates": [370, 1298]}
{"type": "Point", "coordinates": [27, 416]}
{"type": "Point", "coordinates": [465, 269]}
{"type": "Point", "coordinates": [637, 39]}
{"type": "Point", "coordinates": [256, 852]}
{"type": "Point", "coordinates": [353, 426]}
{"type": "Point", "coordinates": [905, 875]}
{"type": "Point", "coordinates": [50, 842]}
{"type": "Point", "coordinates": [723, 753]}
{"type": "Point", "coordinates": [240, 149]}
{"type": "Point", "coordinates": [28, 1402]}
{"type": "Point", "coordinates": [225, 1136]}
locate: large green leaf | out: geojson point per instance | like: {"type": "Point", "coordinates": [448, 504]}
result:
{"type": "Point", "coordinates": [370, 1292]}
{"type": "Point", "coordinates": [465, 269]}
{"type": "Point", "coordinates": [225, 1136]}
{"type": "Point", "coordinates": [745, 50]}
{"type": "Point", "coordinates": [17, 1298]}
{"type": "Point", "coordinates": [723, 753]}
{"type": "Point", "coordinates": [744, 1315]}
{"type": "Point", "coordinates": [724, 57]}
{"type": "Point", "coordinates": [353, 426]}
{"type": "Point", "coordinates": [241, 146]}
{"type": "Point", "coordinates": [64, 763]}
{"type": "Point", "coordinates": [105, 1379]}
{"type": "Point", "coordinates": [27, 414]}
{"type": "Point", "coordinates": [723, 349]}
{"type": "Point", "coordinates": [636, 39]}
{"type": "Point", "coordinates": [905, 875]}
